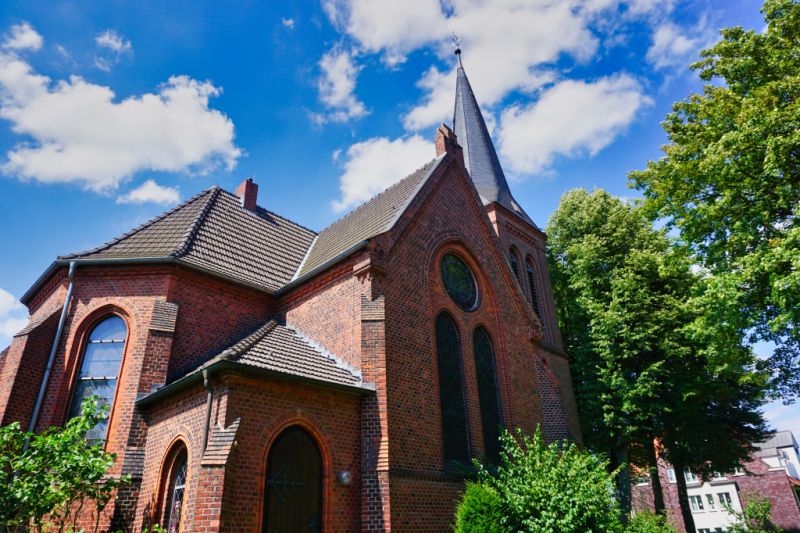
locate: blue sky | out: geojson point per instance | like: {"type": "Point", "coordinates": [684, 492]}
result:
{"type": "Point", "coordinates": [110, 112]}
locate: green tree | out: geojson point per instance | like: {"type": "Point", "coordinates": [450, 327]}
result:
{"type": "Point", "coordinates": [755, 517]}
{"type": "Point", "coordinates": [649, 523]}
{"type": "Point", "coordinates": [730, 183]}
{"type": "Point", "coordinates": [555, 488]}
{"type": "Point", "coordinates": [47, 484]}
{"type": "Point", "coordinates": [648, 360]}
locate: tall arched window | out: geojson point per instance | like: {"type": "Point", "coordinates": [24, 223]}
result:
{"type": "Point", "coordinates": [513, 258]}
{"type": "Point", "coordinates": [491, 416]}
{"type": "Point", "coordinates": [533, 293]}
{"type": "Point", "coordinates": [451, 391]}
{"type": "Point", "coordinates": [100, 369]}
{"type": "Point", "coordinates": [176, 489]}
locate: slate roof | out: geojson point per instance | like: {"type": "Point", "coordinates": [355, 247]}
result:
{"type": "Point", "coordinates": [769, 448]}
{"type": "Point", "coordinates": [480, 157]}
{"type": "Point", "coordinates": [281, 349]}
{"type": "Point", "coordinates": [372, 218]}
{"type": "Point", "coordinates": [213, 232]}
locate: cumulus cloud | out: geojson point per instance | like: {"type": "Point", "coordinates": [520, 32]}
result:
{"type": "Point", "coordinates": [288, 23]}
{"type": "Point", "coordinates": [80, 133]}
{"type": "Point", "coordinates": [13, 317]}
{"type": "Point", "coordinates": [375, 164]}
{"type": "Point", "coordinates": [676, 48]}
{"type": "Point", "coordinates": [112, 47]}
{"type": "Point", "coordinates": [23, 37]}
{"type": "Point", "coordinates": [569, 119]}
{"type": "Point", "coordinates": [336, 87]}
{"type": "Point", "coordinates": [150, 192]}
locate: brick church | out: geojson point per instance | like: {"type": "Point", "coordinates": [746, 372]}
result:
{"type": "Point", "coordinates": [262, 376]}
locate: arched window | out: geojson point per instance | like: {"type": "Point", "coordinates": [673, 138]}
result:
{"type": "Point", "coordinates": [176, 489]}
{"type": "Point", "coordinates": [451, 391]}
{"type": "Point", "coordinates": [100, 369]}
{"type": "Point", "coordinates": [513, 257]}
{"type": "Point", "coordinates": [491, 417]}
{"type": "Point", "coordinates": [533, 293]}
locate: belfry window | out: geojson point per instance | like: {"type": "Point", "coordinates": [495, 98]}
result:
{"type": "Point", "coordinates": [491, 416]}
{"type": "Point", "coordinates": [533, 294]}
{"type": "Point", "coordinates": [512, 257]}
{"type": "Point", "coordinates": [451, 391]}
{"type": "Point", "coordinates": [100, 369]}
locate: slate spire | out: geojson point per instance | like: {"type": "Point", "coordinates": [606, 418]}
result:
{"type": "Point", "coordinates": [480, 157]}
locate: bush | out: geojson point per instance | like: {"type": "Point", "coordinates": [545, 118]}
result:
{"type": "Point", "coordinates": [755, 517]}
{"type": "Point", "coordinates": [649, 523]}
{"type": "Point", "coordinates": [541, 488]}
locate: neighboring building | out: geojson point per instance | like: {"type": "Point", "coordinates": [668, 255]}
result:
{"type": "Point", "coordinates": [771, 472]}
{"type": "Point", "coordinates": [262, 376]}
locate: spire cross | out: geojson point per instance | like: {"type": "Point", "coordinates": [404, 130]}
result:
{"type": "Point", "coordinates": [457, 43]}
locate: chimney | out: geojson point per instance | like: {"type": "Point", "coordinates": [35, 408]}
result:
{"type": "Point", "coordinates": [446, 142]}
{"type": "Point", "coordinates": [247, 192]}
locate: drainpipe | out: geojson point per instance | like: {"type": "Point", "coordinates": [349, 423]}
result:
{"type": "Point", "coordinates": [53, 350]}
{"type": "Point", "coordinates": [209, 396]}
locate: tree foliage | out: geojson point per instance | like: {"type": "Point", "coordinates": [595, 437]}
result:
{"type": "Point", "coordinates": [755, 517]}
{"type": "Point", "coordinates": [730, 183]}
{"type": "Point", "coordinates": [649, 523]}
{"type": "Point", "coordinates": [541, 488]}
{"type": "Point", "coordinates": [48, 483]}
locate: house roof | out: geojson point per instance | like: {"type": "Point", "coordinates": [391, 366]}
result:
{"type": "Point", "coordinates": [372, 218]}
{"type": "Point", "coordinates": [213, 232]}
{"type": "Point", "coordinates": [769, 448]}
{"type": "Point", "coordinates": [480, 157]}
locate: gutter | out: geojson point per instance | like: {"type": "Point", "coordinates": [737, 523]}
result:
{"type": "Point", "coordinates": [53, 349]}
{"type": "Point", "coordinates": [220, 366]}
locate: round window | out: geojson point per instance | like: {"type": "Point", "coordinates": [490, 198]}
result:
{"type": "Point", "coordinates": [459, 282]}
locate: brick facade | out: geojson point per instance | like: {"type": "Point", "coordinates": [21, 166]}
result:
{"type": "Point", "coordinates": [373, 311]}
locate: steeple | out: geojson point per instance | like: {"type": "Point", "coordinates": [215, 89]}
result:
{"type": "Point", "coordinates": [480, 157]}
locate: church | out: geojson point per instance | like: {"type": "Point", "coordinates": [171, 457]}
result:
{"type": "Point", "coordinates": [262, 376]}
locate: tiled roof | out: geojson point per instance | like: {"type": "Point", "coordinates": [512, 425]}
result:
{"type": "Point", "coordinates": [281, 349]}
{"type": "Point", "coordinates": [35, 322]}
{"type": "Point", "coordinates": [212, 231]}
{"type": "Point", "coordinates": [372, 218]}
{"type": "Point", "coordinates": [769, 448]}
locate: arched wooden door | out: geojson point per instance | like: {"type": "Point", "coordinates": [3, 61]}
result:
{"type": "Point", "coordinates": [293, 495]}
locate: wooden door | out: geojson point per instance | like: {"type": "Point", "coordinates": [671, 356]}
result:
{"type": "Point", "coordinates": [294, 484]}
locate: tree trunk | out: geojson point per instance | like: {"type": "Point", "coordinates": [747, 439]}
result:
{"type": "Point", "coordinates": [655, 480]}
{"type": "Point", "coordinates": [623, 480]}
{"type": "Point", "coordinates": [683, 498]}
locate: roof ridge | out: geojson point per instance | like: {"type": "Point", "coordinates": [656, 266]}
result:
{"type": "Point", "coordinates": [335, 359]}
{"type": "Point", "coordinates": [384, 191]}
{"type": "Point", "coordinates": [191, 233]}
{"type": "Point", "coordinates": [140, 227]}
{"type": "Point", "coordinates": [274, 214]}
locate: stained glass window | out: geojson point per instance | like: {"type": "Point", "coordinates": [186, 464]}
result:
{"type": "Point", "coordinates": [533, 293]}
{"type": "Point", "coordinates": [491, 417]}
{"type": "Point", "coordinates": [451, 391]}
{"type": "Point", "coordinates": [100, 369]}
{"type": "Point", "coordinates": [512, 257]}
{"type": "Point", "coordinates": [459, 282]}
{"type": "Point", "coordinates": [177, 489]}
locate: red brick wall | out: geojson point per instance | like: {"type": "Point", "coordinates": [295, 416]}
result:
{"type": "Point", "coordinates": [775, 485]}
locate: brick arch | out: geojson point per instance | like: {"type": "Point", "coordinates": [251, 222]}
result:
{"type": "Point", "coordinates": [164, 472]}
{"type": "Point", "coordinates": [269, 435]}
{"type": "Point", "coordinates": [75, 348]}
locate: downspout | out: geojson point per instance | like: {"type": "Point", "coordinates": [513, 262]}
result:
{"type": "Point", "coordinates": [209, 397]}
{"type": "Point", "coordinates": [56, 341]}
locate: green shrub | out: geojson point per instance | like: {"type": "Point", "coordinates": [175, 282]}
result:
{"type": "Point", "coordinates": [649, 523]}
{"type": "Point", "coordinates": [755, 517]}
{"type": "Point", "coordinates": [541, 488]}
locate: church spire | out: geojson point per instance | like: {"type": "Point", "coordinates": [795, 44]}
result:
{"type": "Point", "coordinates": [480, 157]}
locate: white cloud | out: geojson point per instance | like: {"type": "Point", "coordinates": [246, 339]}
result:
{"type": "Point", "coordinates": [676, 48]}
{"type": "Point", "coordinates": [288, 23]}
{"type": "Point", "coordinates": [571, 118]}
{"type": "Point", "coordinates": [81, 134]}
{"type": "Point", "coordinates": [375, 164]}
{"type": "Point", "coordinates": [113, 41]}
{"type": "Point", "coordinates": [782, 417]}
{"type": "Point", "coordinates": [13, 317]}
{"type": "Point", "coordinates": [150, 191]}
{"type": "Point", "coordinates": [23, 37]}
{"type": "Point", "coordinates": [336, 86]}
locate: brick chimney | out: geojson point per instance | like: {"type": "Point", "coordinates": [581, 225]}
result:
{"type": "Point", "coordinates": [446, 142]}
{"type": "Point", "coordinates": [247, 192]}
